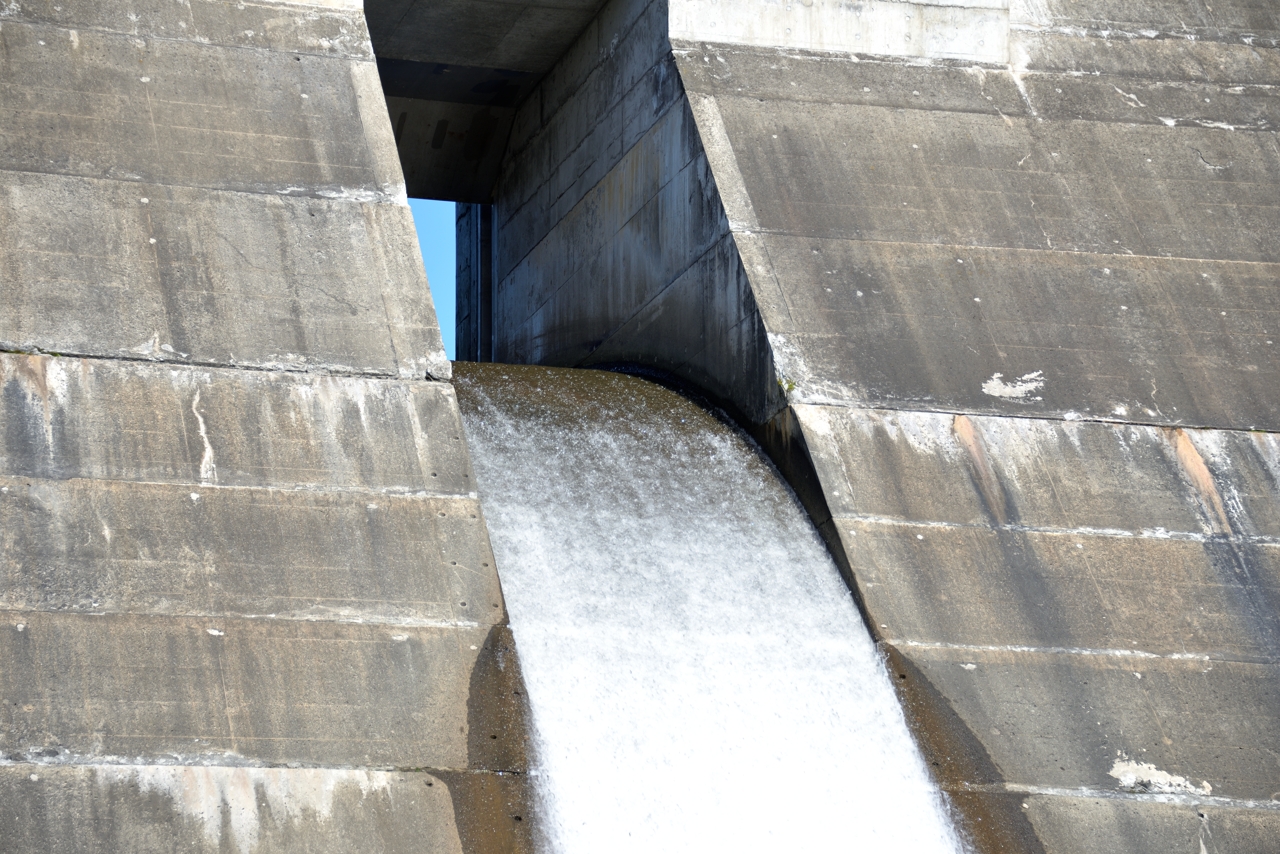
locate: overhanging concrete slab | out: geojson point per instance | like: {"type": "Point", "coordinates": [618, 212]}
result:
{"type": "Point", "coordinates": [453, 73]}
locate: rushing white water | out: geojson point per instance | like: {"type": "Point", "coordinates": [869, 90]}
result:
{"type": "Point", "coordinates": [699, 676]}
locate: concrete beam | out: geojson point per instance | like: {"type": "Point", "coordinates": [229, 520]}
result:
{"type": "Point", "coordinates": [453, 73]}
{"type": "Point", "coordinates": [160, 167]}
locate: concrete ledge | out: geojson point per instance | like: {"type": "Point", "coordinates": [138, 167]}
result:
{"type": "Point", "coordinates": [141, 808]}
{"type": "Point", "coordinates": [97, 546]}
{"type": "Point", "coordinates": [1157, 59]}
{"type": "Point", "coordinates": [1086, 335]}
{"type": "Point", "coordinates": [323, 280]}
{"type": "Point", "coordinates": [727, 70]}
{"type": "Point", "coordinates": [970, 179]}
{"type": "Point", "coordinates": [137, 421]}
{"type": "Point", "coordinates": [1102, 478]}
{"type": "Point", "coordinates": [1148, 83]}
{"type": "Point", "coordinates": [1137, 598]}
{"type": "Point", "coordinates": [1231, 20]}
{"type": "Point", "coordinates": [90, 688]}
{"type": "Point", "coordinates": [1080, 824]}
{"type": "Point", "coordinates": [319, 27]}
{"type": "Point", "coordinates": [1055, 720]}
{"type": "Point", "coordinates": [975, 30]}
{"type": "Point", "coordinates": [184, 113]}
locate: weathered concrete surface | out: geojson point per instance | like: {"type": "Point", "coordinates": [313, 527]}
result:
{"type": "Point", "coordinates": [999, 290]}
{"type": "Point", "coordinates": [612, 242]}
{"type": "Point", "coordinates": [973, 30]}
{"type": "Point", "coordinates": [1104, 267]}
{"type": "Point", "coordinates": [265, 691]}
{"type": "Point", "coordinates": [162, 808]}
{"type": "Point", "coordinates": [215, 256]}
{"type": "Point", "coordinates": [187, 549]}
{"type": "Point", "coordinates": [165, 174]}
{"type": "Point", "coordinates": [235, 570]}
{"type": "Point", "coordinates": [248, 601]}
{"type": "Point", "coordinates": [216, 426]}
{"type": "Point", "coordinates": [1184, 825]}
{"type": "Point", "coordinates": [1078, 592]}
{"type": "Point", "coordinates": [1083, 613]}
{"type": "Point", "coordinates": [1102, 248]}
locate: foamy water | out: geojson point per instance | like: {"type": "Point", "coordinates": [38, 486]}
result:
{"type": "Point", "coordinates": [699, 676]}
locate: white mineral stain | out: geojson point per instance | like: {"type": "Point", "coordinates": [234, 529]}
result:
{"type": "Point", "coordinates": [1145, 777]}
{"type": "Point", "coordinates": [815, 418]}
{"type": "Point", "coordinates": [206, 794]}
{"type": "Point", "coordinates": [925, 432]}
{"type": "Point", "coordinates": [150, 349]}
{"type": "Point", "coordinates": [1017, 389]}
{"type": "Point", "coordinates": [208, 469]}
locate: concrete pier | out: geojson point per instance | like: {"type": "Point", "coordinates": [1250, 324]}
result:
{"type": "Point", "coordinates": [249, 602]}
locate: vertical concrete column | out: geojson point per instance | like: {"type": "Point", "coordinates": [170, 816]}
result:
{"type": "Point", "coordinates": [247, 601]}
{"type": "Point", "coordinates": [475, 285]}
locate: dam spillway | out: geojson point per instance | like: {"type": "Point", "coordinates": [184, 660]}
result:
{"type": "Point", "coordinates": [994, 283]}
{"type": "Point", "coordinates": [699, 676]}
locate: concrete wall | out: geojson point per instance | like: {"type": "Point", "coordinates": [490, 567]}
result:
{"type": "Point", "coordinates": [612, 244]}
{"type": "Point", "coordinates": [1013, 294]}
{"type": "Point", "coordinates": [248, 600]}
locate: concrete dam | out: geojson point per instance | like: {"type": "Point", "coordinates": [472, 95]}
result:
{"type": "Point", "coordinates": [992, 285]}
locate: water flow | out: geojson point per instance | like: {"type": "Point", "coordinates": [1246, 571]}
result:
{"type": "Point", "coordinates": [699, 676]}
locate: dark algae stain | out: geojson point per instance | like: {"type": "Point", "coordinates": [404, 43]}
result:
{"type": "Point", "coordinates": [491, 799]}
{"type": "Point", "coordinates": [993, 822]}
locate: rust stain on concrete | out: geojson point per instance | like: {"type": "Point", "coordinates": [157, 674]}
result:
{"type": "Point", "coordinates": [34, 369]}
{"type": "Point", "coordinates": [1201, 479]}
{"type": "Point", "coordinates": [988, 484]}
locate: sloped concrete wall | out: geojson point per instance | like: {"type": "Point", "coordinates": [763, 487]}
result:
{"type": "Point", "coordinates": [1014, 266]}
{"type": "Point", "coordinates": [248, 599]}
